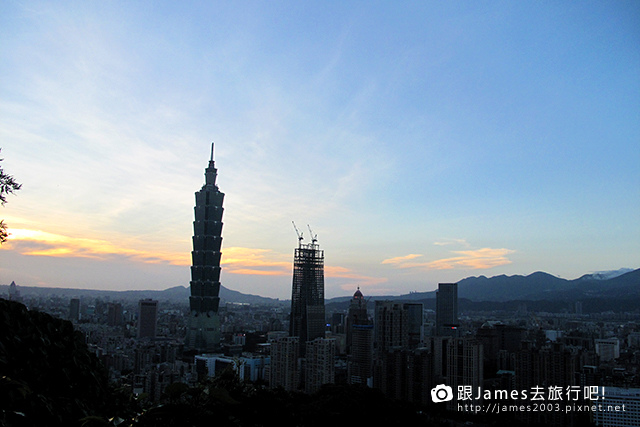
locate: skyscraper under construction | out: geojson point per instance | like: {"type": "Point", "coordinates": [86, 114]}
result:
{"type": "Point", "coordinates": [307, 295]}
{"type": "Point", "coordinates": [203, 332]}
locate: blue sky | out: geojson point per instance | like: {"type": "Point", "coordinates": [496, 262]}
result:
{"type": "Point", "coordinates": [423, 142]}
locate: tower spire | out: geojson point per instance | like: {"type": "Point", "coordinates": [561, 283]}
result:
{"type": "Point", "coordinates": [211, 172]}
{"type": "Point", "coordinates": [203, 332]}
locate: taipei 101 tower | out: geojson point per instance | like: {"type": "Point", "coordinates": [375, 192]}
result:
{"type": "Point", "coordinates": [203, 332]}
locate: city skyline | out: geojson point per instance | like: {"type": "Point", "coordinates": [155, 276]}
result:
{"type": "Point", "coordinates": [423, 142]}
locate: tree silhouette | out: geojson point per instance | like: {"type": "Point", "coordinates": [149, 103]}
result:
{"type": "Point", "coordinates": [8, 185]}
{"type": "Point", "coordinates": [48, 376]}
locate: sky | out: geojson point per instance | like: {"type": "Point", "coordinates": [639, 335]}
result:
{"type": "Point", "coordinates": [423, 142]}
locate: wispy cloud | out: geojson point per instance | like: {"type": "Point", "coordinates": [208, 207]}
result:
{"type": "Point", "coordinates": [478, 259]}
{"type": "Point", "coordinates": [448, 242]}
{"type": "Point", "coordinates": [235, 260]}
{"type": "Point", "coordinates": [400, 259]}
{"type": "Point", "coordinates": [42, 243]}
{"type": "Point", "coordinates": [475, 259]}
{"type": "Point", "coordinates": [254, 261]}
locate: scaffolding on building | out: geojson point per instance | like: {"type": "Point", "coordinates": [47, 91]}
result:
{"type": "Point", "coordinates": [307, 295]}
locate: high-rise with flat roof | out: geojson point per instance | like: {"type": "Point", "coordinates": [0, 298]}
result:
{"type": "Point", "coordinates": [74, 309]}
{"type": "Point", "coordinates": [464, 365]}
{"type": "Point", "coordinates": [360, 363]}
{"type": "Point", "coordinates": [203, 331]}
{"type": "Point", "coordinates": [284, 370]}
{"type": "Point", "coordinates": [391, 341]}
{"type": "Point", "coordinates": [114, 314]}
{"type": "Point", "coordinates": [391, 326]}
{"type": "Point", "coordinates": [147, 318]}
{"type": "Point", "coordinates": [617, 407]}
{"type": "Point", "coordinates": [319, 364]}
{"type": "Point", "coordinates": [415, 320]}
{"type": "Point", "coordinates": [447, 309]}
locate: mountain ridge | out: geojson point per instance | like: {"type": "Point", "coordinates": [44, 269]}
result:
{"type": "Point", "coordinates": [536, 286]}
{"type": "Point", "coordinates": [175, 293]}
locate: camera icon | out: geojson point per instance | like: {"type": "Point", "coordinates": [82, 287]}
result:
{"type": "Point", "coordinates": [441, 393]}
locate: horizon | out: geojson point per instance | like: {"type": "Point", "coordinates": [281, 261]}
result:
{"type": "Point", "coordinates": [422, 142]}
{"type": "Point", "coordinates": [620, 271]}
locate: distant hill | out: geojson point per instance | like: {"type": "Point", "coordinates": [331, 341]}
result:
{"type": "Point", "coordinates": [606, 275]}
{"type": "Point", "coordinates": [537, 286]}
{"type": "Point", "coordinates": [543, 286]}
{"type": "Point", "coordinates": [504, 288]}
{"type": "Point", "coordinates": [175, 294]}
{"type": "Point", "coordinates": [620, 285]}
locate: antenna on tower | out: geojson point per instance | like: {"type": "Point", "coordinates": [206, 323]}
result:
{"type": "Point", "coordinates": [297, 232]}
{"type": "Point", "coordinates": [212, 151]}
{"type": "Point", "coordinates": [314, 237]}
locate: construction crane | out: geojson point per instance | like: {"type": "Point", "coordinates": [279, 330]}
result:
{"type": "Point", "coordinates": [314, 237]}
{"type": "Point", "coordinates": [300, 238]}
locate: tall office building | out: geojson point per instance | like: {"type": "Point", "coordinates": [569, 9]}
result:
{"type": "Point", "coordinates": [74, 309]}
{"type": "Point", "coordinates": [285, 370]}
{"type": "Point", "coordinates": [464, 365]}
{"type": "Point", "coordinates": [438, 349]}
{"type": "Point", "coordinates": [552, 365]}
{"type": "Point", "coordinates": [114, 314]}
{"type": "Point", "coordinates": [337, 323]}
{"type": "Point", "coordinates": [420, 380]}
{"type": "Point", "coordinates": [608, 349]}
{"type": "Point", "coordinates": [447, 309]}
{"type": "Point", "coordinates": [203, 331]}
{"type": "Point", "coordinates": [391, 326]}
{"type": "Point", "coordinates": [357, 315]}
{"type": "Point", "coordinates": [415, 322]}
{"type": "Point", "coordinates": [307, 295]}
{"type": "Point", "coordinates": [360, 363]}
{"type": "Point", "coordinates": [391, 341]}
{"type": "Point", "coordinates": [610, 398]}
{"type": "Point", "coordinates": [319, 364]}
{"type": "Point", "coordinates": [147, 317]}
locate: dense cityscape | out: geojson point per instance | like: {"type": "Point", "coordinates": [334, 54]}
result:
{"type": "Point", "coordinates": [571, 367]}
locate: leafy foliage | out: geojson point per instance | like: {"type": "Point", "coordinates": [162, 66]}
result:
{"type": "Point", "coordinates": [3, 232]}
{"type": "Point", "coordinates": [8, 185]}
